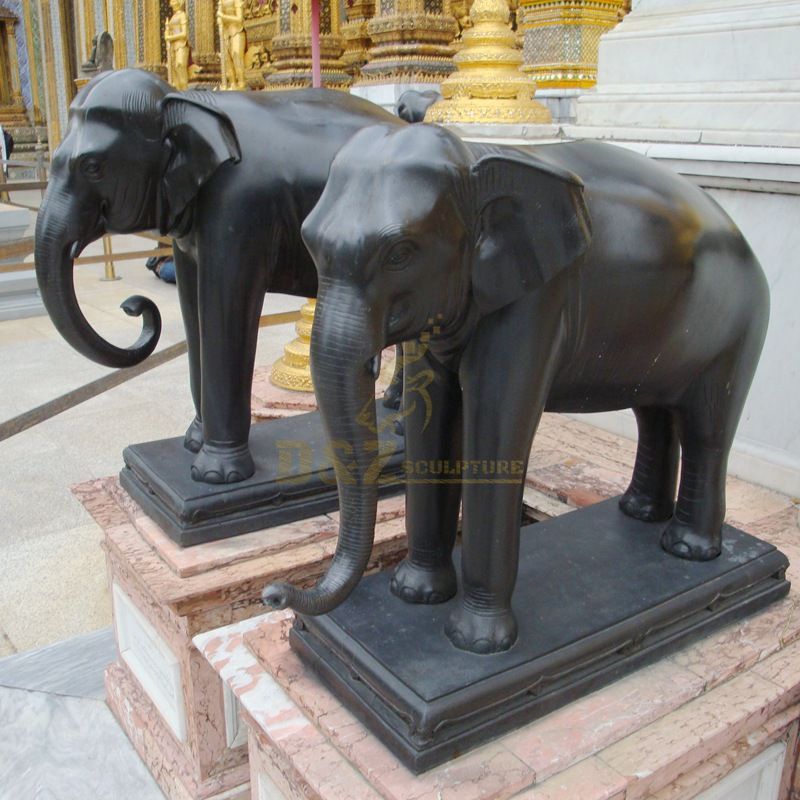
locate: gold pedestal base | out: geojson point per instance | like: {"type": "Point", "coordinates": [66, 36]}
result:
{"type": "Point", "coordinates": [293, 370]}
{"type": "Point", "coordinates": [488, 86]}
{"type": "Point", "coordinates": [489, 112]}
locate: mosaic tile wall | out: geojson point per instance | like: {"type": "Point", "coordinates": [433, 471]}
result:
{"type": "Point", "coordinates": [55, 25]}
{"type": "Point", "coordinates": [130, 43]}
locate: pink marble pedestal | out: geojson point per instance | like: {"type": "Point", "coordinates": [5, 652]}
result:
{"type": "Point", "coordinates": [667, 732]}
{"type": "Point", "coordinates": [182, 720]}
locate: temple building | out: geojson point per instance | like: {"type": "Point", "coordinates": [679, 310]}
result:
{"type": "Point", "coordinates": [48, 47]}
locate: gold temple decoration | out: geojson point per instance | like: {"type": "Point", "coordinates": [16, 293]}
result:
{"type": "Point", "coordinates": [562, 38]}
{"type": "Point", "coordinates": [176, 35]}
{"type": "Point", "coordinates": [12, 107]}
{"type": "Point", "coordinates": [355, 34]}
{"type": "Point", "coordinates": [293, 369]}
{"type": "Point", "coordinates": [206, 69]}
{"type": "Point", "coordinates": [259, 27]}
{"type": "Point", "coordinates": [488, 86]}
{"type": "Point", "coordinates": [411, 42]}
{"type": "Point", "coordinates": [291, 46]}
{"type": "Point", "coordinates": [230, 18]}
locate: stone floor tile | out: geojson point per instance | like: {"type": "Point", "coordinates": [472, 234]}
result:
{"type": "Point", "coordinates": [65, 748]}
{"type": "Point", "coordinates": [54, 587]}
{"type": "Point", "coordinates": [74, 667]}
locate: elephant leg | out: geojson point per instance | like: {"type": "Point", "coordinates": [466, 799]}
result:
{"type": "Point", "coordinates": [708, 414]}
{"type": "Point", "coordinates": [505, 378]}
{"type": "Point", "coordinates": [230, 306]}
{"type": "Point", "coordinates": [394, 391]}
{"type": "Point", "coordinates": [651, 494]}
{"type": "Point", "coordinates": [432, 437]}
{"type": "Point", "coordinates": [186, 277]}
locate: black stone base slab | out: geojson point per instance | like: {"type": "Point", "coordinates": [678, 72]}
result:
{"type": "Point", "coordinates": [294, 479]}
{"type": "Point", "coordinates": [596, 598]}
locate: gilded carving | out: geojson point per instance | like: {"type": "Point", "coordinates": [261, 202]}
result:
{"type": "Point", "coordinates": [411, 42]}
{"type": "Point", "coordinates": [176, 35]}
{"type": "Point", "coordinates": [230, 18]}
{"type": "Point", "coordinates": [561, 39]}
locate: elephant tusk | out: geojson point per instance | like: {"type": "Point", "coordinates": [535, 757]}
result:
{"type": "Point", "coordinates": [374, 366]}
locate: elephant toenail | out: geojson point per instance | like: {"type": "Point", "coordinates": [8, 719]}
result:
{"type": "Point", "coordinates": [408, 593]}
{"type": "Point", "coordinates": [234, 477]}
{"type": "Point", "coordinates": [482, 646]}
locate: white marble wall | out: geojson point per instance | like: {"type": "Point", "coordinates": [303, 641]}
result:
{"type": "Point", "coordinates": [701, 66]}
{"type": "Point", "coordinates": [712, 89]}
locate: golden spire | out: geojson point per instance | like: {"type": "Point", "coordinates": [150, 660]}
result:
{"type": "Point", "coordinates": [488, 86]}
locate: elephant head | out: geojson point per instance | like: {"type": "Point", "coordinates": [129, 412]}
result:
{"type": "Point", "coordinates": [133, 159]}
{"type": "Point", "coordinates": [412, 105]}
{"type": "Point", "coordinates": [415, 236]}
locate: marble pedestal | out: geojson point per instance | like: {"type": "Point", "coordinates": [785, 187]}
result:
{"type": "Point", "coordinates": [718, 716]}
{"type": "Point", "coordinates": [182, 721]}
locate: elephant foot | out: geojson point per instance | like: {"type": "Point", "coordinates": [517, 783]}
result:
{"type": "Point", "coordinates": [685, 542]}
{"type": "Point", "coordinates": [222, 464]}
{"type": "Point", "coordinates": [193, 438]}
{"type": "Point", "coordinates": [646, 508]}
{"type": "Point", "coordinates": [424, 585]}
{"type": "Point", "coordinates": [481, 632]}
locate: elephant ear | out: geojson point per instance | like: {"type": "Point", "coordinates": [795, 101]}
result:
{"type": "Point", "coordinates": [533, 223]}
{"type": "Point", "coordinates": [200, 139]}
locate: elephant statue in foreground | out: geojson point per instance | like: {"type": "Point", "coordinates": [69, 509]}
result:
{"type": "Point", "coordinates": [230, 177]}
{"type": "Point", "coordinates": [570, 277]}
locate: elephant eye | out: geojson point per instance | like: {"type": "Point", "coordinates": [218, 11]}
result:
{"type": "Point", "coordinates": [400, 255]}
{"type": "Point", "coordinates": [92, 167]}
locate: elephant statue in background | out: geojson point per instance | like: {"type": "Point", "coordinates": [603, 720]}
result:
{"type": "Point", "coordinates": [412, 105]}
{"type": "Point", "coordinates": [571, 277]}
{"type": "Point", "coordinates": [230, 177]}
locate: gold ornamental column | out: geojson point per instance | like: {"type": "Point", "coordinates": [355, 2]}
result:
{"type": "Point", "coordinates": [293, 370]}
{"type": "Point", "coordinates": [259, 25]}
{"type": "Point", "coordinates": [488, 86]}
{"type": "Point", "coordinates": [411, 42]}
{"type": "Point", "coordinates": [355, 34]}
{"type": "Point", "coordinates": [205, 48]}
{"type": "Point", "coordinates": [562, 38]}
{"type": "Point", "coordinates": [291, 46]}
{"type": "Point", "coordinates": [149, 31]}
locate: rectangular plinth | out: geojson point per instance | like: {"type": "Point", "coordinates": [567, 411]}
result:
{"type": "Point", "coordinates": [294, 479]}
{"type": "Point", "coordinates": [596, 597]}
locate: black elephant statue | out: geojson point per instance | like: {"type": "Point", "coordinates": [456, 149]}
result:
{"type": "Point", "coordinates": [571, 277]}
{"type": "Point", "coordinates": [230, 177]}
{"type": "Point", "coordinates": [412, 104]}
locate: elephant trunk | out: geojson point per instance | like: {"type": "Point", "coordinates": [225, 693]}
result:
{"type": "Point", "coordinates": [344, 368]}
{"type": "Point", "coordinates": [63, 229]}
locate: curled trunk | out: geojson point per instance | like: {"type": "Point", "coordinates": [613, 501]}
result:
{"type": "Point", "coordinates": [342, 365]}
{"type": "Point", "coordinates": [63, 229]}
